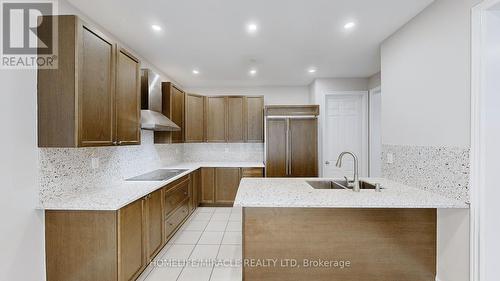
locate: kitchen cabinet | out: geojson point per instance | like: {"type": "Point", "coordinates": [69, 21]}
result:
{"type": "Point", "coordinates": [79, 100]}
{"type": "Point", "coordinates": [207, 185]}
{"type": "Point", "coordinates": [215, 108]}
{"type": "Point", "coordinates": [255, 119]}
{"type": "Point", "coordinates": [252, 172]}
{"type": "Point", "coordinates": [176, 205]}
{"type": "Point", "coordinates": [173, 99]}
{"type": "Point", "coordinates": [195, 190]}
{"type": "Point", "coordinates": [227, 181]}
{"type": "Point", "coordinates": [128, 102]}
{"type": "Point", "coordinates": [236, 119]}
{"type": "Point", "coordinates": [155, 222]}
{"type": "Point", "coordinates": [195, 118]}
{"type": "Point", "coordinates": [292, 141]}
{"type": "Point", "coordinates": [131, 246]}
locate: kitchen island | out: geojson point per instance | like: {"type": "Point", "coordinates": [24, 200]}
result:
{"type": "Point", "coordinates": [292, 231]}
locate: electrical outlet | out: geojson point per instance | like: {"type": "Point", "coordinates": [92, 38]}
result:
{"type": "Point", "coordinates": [95, 163]}
{"type": "Point", "coordinates": [390, 158]}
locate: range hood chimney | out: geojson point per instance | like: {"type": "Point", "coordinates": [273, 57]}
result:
{"type": "Point", "coordinates": [151, 104]}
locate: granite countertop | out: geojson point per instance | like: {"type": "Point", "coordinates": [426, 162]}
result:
{"type": "Point", "coordinates": [287, 192]}
{"type": "Point", "coordinates": [115, 196]}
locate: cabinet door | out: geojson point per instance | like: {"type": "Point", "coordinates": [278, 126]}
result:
{"type": "Point", "coordinates": [227, 181]}
{"type": "Point", "coordinates": [154, 224]}
{"type": "Point", "coordinates": [194, 118]}
{"type": "Point", "coordinates": [127, 96]}
{"type": "Point", "coordinates": [276, 148]}
{"type": "Point", "coordinates": [131, 254]}
{"type": "Point", "coordinates": [303, 143]}
{"type": "Point", "coordinates": [255, 119]}
{"type": "Point", "coordinates": [207, 185]}
{"type": "Point", "coordinates": [236, 124]}
{"type": "Point", "coordinates": [216, 119]}
{"type": "Point", "coordinates": [177, 114]}
{"type": "Point", "coordinates": [96, 87]}
{"type": "Point", "coordinates": [252, 172]}
{"type": "Point", "coordinates": [195, 190]}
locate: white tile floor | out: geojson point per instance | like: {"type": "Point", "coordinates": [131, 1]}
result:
{"type": "Point", "coordinates": [210, 234]}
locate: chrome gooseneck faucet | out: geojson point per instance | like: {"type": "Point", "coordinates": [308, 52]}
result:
{"type": "Point", "coordinates": [355, 182]}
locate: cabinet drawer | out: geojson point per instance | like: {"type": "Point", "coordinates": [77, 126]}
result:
{"type": "Point", "coordinates": [173, 221]}
{"type": "Point", "coordinates": [252, 172]}
{"type": "Point", "coordinates": [175, 196]}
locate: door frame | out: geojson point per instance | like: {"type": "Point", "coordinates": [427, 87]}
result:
{"type": "Point", "coordinates": [364, 167]}
{"type": "Point", "coordinates": [372, 92]}
{"type": "Point", "coordinates": [477, 151]}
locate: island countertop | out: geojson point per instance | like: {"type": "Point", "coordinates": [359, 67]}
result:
{"type": "Point", "coordinates": [296, 193]}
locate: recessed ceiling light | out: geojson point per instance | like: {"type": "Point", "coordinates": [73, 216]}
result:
{"type": "Point", "coordinates": [156, 27]}
{"type": "Point", "coordinates": [253, 72]}
{"type": "Point", "coordinates": [311, 70]}
{"type": "Point", "coordinates": [252, 27]}
{"type": "Point", "coordinates": [349, 25]}
{"type": "Point", "coordinates": [196, 71]}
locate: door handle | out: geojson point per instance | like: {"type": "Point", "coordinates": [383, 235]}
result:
{"type": "Point", "coordinates": [327, 162]}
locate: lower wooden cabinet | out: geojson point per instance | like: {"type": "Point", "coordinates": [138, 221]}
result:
{"type": "Point", "coordinates": [207, 185]}
{"type": "Point", "coordinates": [154, 227]}
{"type": "Point", "coordinates": [131, 241]}
{"type": "Point", "coordinates": [227, 181]}
{"type": "Point", "coordinates": [252, 172]}
{"type": "Point", "coordinates": [195, 190]}
{"type": "Point", "coordinates": [220, 185]}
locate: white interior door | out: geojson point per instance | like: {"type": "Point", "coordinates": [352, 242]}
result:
{"type": "Point", "coordinates": [375, 133]}
{"type": "Point", "coordinates": [345, 130]}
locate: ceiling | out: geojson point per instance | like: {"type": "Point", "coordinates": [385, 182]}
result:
{"type": "Point", "coordinates": [292, 36]}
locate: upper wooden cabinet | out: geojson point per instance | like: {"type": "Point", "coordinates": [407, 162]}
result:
{"type": "Point", "coordinates": [234, 118]}
{"type": "Point", "coordinates": [195, 118]}
{"type": "Point", "coordinates": [78, 102]}
{"type": "Point", "coordinates": [127, 100]}
{"type": "Point", "coordinates": [255, 119]}
{"type": "Point", "coordinates": [236, 121]}
{"type": "Point", "coordinates": [173, 108]}
{"type": "Point", "coordinates": [215, 108]}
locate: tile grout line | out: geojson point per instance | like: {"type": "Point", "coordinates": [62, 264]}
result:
{"type": "Point", "coordinates": [180, 273]}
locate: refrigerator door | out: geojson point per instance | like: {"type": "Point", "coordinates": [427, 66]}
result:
{"type": "Point", "coordinates": [276, 147]}
{"type": "Point", "coordinates": [303, 147]}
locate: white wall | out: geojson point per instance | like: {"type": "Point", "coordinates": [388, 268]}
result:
{"type": "Point", "coordinates": [374, 81]}
{"type": "Point", "coordinates": [426, 101]}
{"type": "Point", "coordinates": [21, 231]}
{"type": "Point", "coordinates": [319, 89]}
{"type": "Point", "coordinates": [272, 94]}
{"type": "Point", "coordinates": [426, 78]}
{"type": "Point", "coordinates": [489, 207]}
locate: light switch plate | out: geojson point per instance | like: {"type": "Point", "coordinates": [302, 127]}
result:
{"type": "Point", "coordinates": [390, 158]}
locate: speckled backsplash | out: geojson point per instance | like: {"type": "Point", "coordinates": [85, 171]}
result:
{"type": "Point", "coordinates": [444, 170]}
{"type": "Point", "coordinates": [70, 168]}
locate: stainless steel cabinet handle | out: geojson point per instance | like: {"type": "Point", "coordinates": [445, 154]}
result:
{"type": "Point", "coordinates": [115, 143]}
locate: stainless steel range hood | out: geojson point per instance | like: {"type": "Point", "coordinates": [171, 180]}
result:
{"type": "Point", "coordinates": [151, 104]}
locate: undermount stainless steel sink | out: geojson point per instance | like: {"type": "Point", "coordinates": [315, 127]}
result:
{"type": "Point", "coordinates": [338, 184]}
{"type": "Point", "coordinates": [158, 175]}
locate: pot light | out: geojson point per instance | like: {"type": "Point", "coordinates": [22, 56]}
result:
{"type": "Point", "coordinates": [312, 70]}
{"type": "Point", "coordinates": [156, 27]}
{"type": "Point", "coordinates": [252, 72]}
{"type": "Point", "coordinates": [349, 25]}
{"type": "Point", "coordinates": [196, 71]}
{"type": "Point", "coordinates": [252, 27]}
